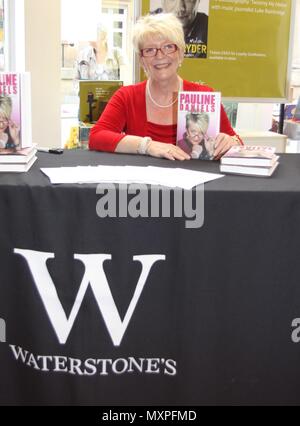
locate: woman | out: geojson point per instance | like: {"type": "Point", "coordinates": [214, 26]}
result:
{"type": "Point", "coordinates": [142, 118]}
{"type": "Point", "coordinates": [195, 140]}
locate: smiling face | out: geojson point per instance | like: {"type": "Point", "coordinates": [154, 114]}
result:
{"type": "Point", "coordinates": [194, 133]}
{"type": "Point", "coordinates": [162, 66]}
{"type": "Point", "coordinates": [185, 10]}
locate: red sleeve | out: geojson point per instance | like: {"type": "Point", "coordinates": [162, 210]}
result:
{"type": "Point", "coordinates": [107, 132]}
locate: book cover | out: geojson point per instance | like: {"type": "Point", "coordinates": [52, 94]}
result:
{"type": "Point", "coordinates": [250, 155]}
{"type": "Point", "coordinates": [15, 111]}
{"type": "Point", "coordinates": [198, 123]}
{"type": "Point", "coordinates": [93, 98]}
{"type": "Point", "coordinates": [248, 170]}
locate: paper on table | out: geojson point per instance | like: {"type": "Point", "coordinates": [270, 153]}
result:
{"type": "Point", "coordinates": [181, 178]}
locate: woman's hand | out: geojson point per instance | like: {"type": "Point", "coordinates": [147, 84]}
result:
{"type": "Point", "coordinates": [196, 152]}
{"type": "Point", "coordinates": [166, 150]}
{"type": "Point", "coordinates": [14, 131]}
{"type": "Point", "coordinates": [223, 143]}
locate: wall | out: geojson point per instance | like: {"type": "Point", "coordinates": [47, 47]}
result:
{"type": "Point", "coordinates": [42, 59]}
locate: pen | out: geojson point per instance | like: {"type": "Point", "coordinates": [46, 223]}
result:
{"type": "Point", "coordinates": [51, 150]}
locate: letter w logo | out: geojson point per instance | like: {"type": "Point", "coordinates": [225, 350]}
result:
{"type": "Point", "coordinates": [95, 276]}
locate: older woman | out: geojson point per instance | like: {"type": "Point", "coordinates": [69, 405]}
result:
{"type": "Point", "coordinates": [142, 118]}
{"type": "Point", "coordinates": [195, 140]}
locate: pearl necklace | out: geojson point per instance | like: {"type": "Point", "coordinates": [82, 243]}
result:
{"type": "Point", "coordinates": [157, 104]}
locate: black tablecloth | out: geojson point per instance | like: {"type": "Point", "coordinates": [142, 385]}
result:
{"type": "Point", "coordinates": [216, 322]}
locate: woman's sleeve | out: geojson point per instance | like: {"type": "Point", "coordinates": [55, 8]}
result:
{"type": "Point", "coordinates": [108, 131]}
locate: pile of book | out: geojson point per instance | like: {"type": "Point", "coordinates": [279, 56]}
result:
{"type": "Point", "coordinates": [250, 160]}
{"type": "Point", "coordinates": [21, 160]}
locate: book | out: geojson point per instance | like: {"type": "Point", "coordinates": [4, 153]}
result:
{"type": "Point", "coordinates": [248, 170]}
{"type": "Point", "coordinates": [20, 156]}
{"type": "Point", "coordinates": [198, 123]}
{"type": "Point", "coordinates": [15, 110]}
{"type": "Point", "coordinates": [263, 138]}
{"type": "Point", "coordinates": [17, 167]}
{"type": "Point", "coordinates": [93, 97]}
{"type": "Point", "coordinates": [262, 156]}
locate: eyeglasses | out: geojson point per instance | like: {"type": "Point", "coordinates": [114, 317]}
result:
{"type": "Point", "coordinates": [194, 133]}
{"type": "Point", "coordinates": [166, 49]}
{"type": "Point", "coordinates": [3, 123]}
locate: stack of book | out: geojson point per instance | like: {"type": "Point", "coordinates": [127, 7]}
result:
{"type": "Point", "coordinates": [250, 160]}
{"type": "Point", "coordinates": [21, 160]}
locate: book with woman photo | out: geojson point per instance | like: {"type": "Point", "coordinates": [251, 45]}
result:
{"type": "Point", "coordinates": [198, 123]}
{"type": "Point", "coordinates": [15, 111]}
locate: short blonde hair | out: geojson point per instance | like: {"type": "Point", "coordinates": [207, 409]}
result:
{"type": "Point", "coordinates": [5, 106]}
{"type": "Point", "coordinates": [163, 25]}
{"type": "Point", "coordinates": [201, 119]}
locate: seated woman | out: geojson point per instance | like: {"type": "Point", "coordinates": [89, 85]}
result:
{"type": "Point", "coordinates": [195, 140]}
{"type": "Point", "coordinates": [142, 118]}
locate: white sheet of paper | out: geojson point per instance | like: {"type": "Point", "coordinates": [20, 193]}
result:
{"type": "Point", "coordinates": [170, 177]}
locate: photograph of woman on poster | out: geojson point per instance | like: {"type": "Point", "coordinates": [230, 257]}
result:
{"type": "Point", "coordinates": [193, 14]}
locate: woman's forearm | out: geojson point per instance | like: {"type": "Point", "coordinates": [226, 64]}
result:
{"type": "Point", "coordinates": [129, 144]}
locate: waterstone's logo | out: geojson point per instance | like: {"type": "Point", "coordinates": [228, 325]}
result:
{"type": "Point", "coordinates": [94, 278]}
{"type": "Point", "coordinates": [141, 200]}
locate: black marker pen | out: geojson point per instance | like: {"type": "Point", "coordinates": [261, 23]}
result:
{"type": "Point", "coordinates": [50, 150]}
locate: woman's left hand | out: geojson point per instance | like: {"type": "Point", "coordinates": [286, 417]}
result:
{"type": "Point", "coordinates": [223, 143]}
{"type": "Point", "coordinates": [14, 131]}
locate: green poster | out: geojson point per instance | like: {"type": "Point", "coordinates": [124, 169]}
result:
{"type": "Point", "coordinates": [238, 47]}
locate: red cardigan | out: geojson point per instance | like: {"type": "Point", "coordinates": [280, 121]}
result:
{"type": "Point", "coordinates": [126, 114]}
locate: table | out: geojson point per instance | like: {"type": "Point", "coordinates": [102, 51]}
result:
{"type": "Point", "coordinates": [215, 322]}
